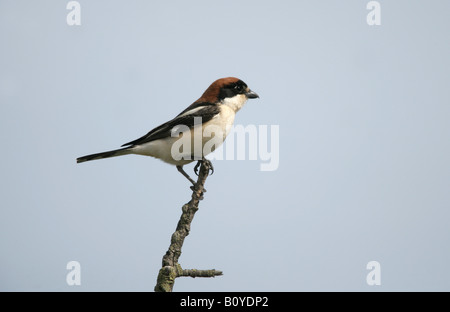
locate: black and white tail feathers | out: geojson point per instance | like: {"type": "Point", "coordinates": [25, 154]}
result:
{"type": "Point", "coordinates": [114, 153]}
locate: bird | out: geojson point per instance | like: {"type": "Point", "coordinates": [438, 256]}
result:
{"type": "Point", "coordinates": [215, 109]}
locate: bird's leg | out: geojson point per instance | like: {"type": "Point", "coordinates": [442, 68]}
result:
{"type": "Point", "coordinates": [194, 184]}
{"type": "Point", "coordinates": [181, 170]}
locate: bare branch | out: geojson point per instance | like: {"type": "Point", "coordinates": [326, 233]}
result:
{"type": "Point", "coordinates": [171, 269]}
{"type": "Point", "coordinates": [200, 273]}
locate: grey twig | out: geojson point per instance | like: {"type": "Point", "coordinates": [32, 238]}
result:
{"type": "Point", "coordinates": [171, 269]}
{"type": "Point", "coordinates": [200, 273]}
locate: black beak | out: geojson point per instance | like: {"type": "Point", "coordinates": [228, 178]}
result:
{"type": "Point", "coordinates": [251, 95]}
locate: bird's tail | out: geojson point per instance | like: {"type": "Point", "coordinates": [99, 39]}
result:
{"type": "Point", "coordinates": [114, 153]}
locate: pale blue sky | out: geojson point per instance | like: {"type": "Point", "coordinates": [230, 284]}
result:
{"type": "Point", "coordinates": [363, 113]}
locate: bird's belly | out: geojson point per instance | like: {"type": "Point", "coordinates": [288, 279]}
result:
{"type": "Point", "coordinates": [161, 149]}
{"type": "Point", "coordinates": [193, 144]}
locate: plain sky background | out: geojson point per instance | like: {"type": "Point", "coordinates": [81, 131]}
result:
{"type": "Point", "coordinates": [364, 118]}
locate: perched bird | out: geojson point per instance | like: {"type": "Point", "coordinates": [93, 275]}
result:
{"type": "Point", "coordinates": [215, 110]}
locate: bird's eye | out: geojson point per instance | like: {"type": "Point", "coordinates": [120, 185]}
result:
{"type": "Point", "coordinates": [237, 87]}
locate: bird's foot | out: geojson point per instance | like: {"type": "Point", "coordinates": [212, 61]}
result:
{"type": "Point", "coordinates": [197, 165]}
{"type": "Point", "coordinates": [207, 163]}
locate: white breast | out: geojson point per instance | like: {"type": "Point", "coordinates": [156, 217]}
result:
{"type": "Point", "coordinates": [222, 122]}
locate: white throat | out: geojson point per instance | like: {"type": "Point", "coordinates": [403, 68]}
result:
{"type": "Point", "coordinates": [236, 102]}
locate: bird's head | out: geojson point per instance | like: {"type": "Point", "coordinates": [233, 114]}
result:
{"type": "Point", "coordinates": [228, 91]}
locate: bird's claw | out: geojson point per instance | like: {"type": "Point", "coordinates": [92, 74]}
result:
{"type": "Point", "coordinates": [207, 163]}
{"type": "Point", "coordinates": [209, 167]}
{"type": "Point", "coordinates": [197, 166]}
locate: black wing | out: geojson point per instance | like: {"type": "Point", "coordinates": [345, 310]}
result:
{"type": "Point", "coordinates": [163, 131]}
